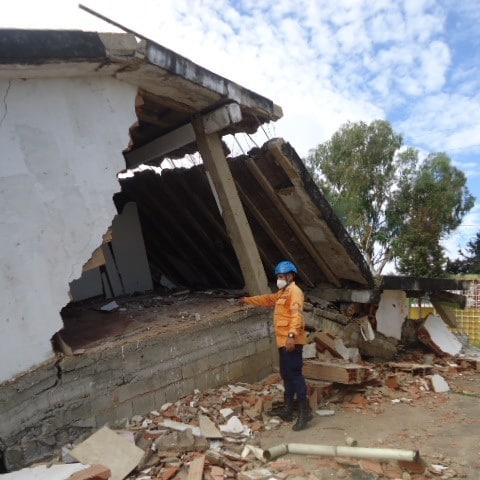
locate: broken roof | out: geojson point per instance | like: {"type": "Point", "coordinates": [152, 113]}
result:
{"type": "Point", "coordinates": [171, 88]}
{"type": "Point", "coordinates": [186, 239]}
{"type": "Point", "coordinates": [184, 232]}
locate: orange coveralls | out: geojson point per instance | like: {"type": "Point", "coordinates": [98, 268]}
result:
{"type": "Point", "coordinates": [287, 313]}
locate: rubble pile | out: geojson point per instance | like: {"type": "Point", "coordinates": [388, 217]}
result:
{"type": "Point", "coordinates": [217, 433]}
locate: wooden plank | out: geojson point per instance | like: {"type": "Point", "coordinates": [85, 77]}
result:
{"type": "Point", "coordinates": [347, 373]}
{"type": "Point", "coordinates": [270, 232]}
{"type": "Point", "coordinates": [239, 231]}
{"type": "Point", "coordinates": [275, 149]}
{"type": "Point", "coordinates": [161, 146]}
{"type": "Point", "coordinates": [96, 260]}
{"type": "Point", "coordinates": [285, 212]}
{"type": "Point", "coordinates": [211, 123]}
{"type": "Point", "coordinates": [195, 471]}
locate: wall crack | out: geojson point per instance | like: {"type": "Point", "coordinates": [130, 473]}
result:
{"type": "Point", "coordinates": [5, 103]}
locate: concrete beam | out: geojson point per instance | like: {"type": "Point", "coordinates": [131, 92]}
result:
{"type": "Point", "coordinates": [212, 122]}
{"type": "Point", "coordinates": [390, 282]}
{"type": "Point", "coordinates": [345, 295]}
{"type": "Point", "coordinates": [210, 147]}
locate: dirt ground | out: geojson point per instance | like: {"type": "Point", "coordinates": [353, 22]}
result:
{"type": "Point", "coordinates": [443, 427]}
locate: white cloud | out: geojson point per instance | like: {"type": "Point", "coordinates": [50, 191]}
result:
{"type": "Point", "coordinates": [414, 62]}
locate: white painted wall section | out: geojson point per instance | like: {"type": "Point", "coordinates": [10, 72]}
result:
{"type": "Point", "coordinates": [391, 313]}
{"type": "Point", "coordinates": [61, 142]}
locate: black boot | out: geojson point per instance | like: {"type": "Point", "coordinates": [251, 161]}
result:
{"type": "Point", "coordinates": [285, 412]}
{"type": "Point", "coordinates": [304, 416]}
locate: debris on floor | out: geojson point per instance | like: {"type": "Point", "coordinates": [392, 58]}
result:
{"type": "Point", "coordinates": [216, 434]}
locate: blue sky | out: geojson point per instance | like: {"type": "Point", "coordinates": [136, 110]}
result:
{"type": "Point", "coordinates": [415, 63]}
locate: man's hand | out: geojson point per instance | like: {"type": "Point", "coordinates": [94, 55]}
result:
{"type": "Point", "coordinates": [241, 301]}
{"type": "Point", "coordinates": [290, 344]}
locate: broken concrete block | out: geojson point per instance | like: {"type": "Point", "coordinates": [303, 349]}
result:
{"type": "Point", "coordinates": [256, 451]}
{"type": "Point", "coordinates": [110, 307]}
{"type": "Point", "coordinates": [186, 441]}
{"type": "Point", "coordinates": [342, 349]}
{"type": "Point", "coordinates": [380, 348]}
{"type": "Point", "coordinates": [391, 313]}
{"type": "Point", "coordinates": [435, 334]}
{"type": "Point", "coordinates": [107, 448]}
{"type": "Point", "coordinates": [309, 350]}
{"type": "Point", "coordinates": [208, 428]}
{"type": "Point", "coordinates": [180, 427]}
{"type": "Point", "coordinates": [235, 426]}
{"type": "Point", "coordinates": [237, 389]}
{"type": "Point", "coordinates": [256, 474]}
{"type": "Point", "coordinates": [45, 472]}
{"type": "Point", "coordinates": [439, 385]}
{"type": "Point", "coordinates": [325, 413]}
{"type": "Point", "coordinates": [226, 412]}
{"type": "Point", "coordinates": [354, 355]}
{"type": "Point", "coordinates": [176, 441]}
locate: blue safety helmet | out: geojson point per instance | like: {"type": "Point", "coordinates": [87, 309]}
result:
{"type": "Point", "coordinates": [285, 267]}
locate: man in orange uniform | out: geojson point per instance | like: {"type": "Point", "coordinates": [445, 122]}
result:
{"type": "Point", "coordinates": [289, 327]}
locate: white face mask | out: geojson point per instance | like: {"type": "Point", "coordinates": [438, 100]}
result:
{"type": "Point", "coordinates": [281, 283]}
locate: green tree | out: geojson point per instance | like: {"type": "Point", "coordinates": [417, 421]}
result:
{"type": "Point", "coordinates": [469, 261]}
{"type": "Point", "coordinates": [395, 208]}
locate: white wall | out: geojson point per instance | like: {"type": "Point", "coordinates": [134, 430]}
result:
{"type": "Point", "coordinates": [60, 149]}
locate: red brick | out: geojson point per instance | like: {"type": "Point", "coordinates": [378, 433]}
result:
{"type": "Point", "coordinates": [412, 467]}
{"type": "Point", "coordinates": [95, 472]}
{"type": "Point", "coordinates": [392, 382]}
{"type": "Point", "coordinates": [217, 473]}
{"type": "Point", "coordinates": [393, 471]}
{"type": "Point", "coordinates": [369, 466]}
{"type": "Point", "coordinates": [169, 473]}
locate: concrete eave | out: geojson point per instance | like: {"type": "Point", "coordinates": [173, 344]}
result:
{"type": "Point", "coordinates": [179, 66]}
{"type": "Point", "coordinates": [151, 67]}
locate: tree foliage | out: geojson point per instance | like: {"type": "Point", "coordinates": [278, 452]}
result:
{"type": "Point", "coordinates": [469, 261]}
{"type": "Point", "coordinates": [393, 206]}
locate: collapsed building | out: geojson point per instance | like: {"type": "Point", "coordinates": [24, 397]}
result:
{"type": "Point", "coordinates": [83, 249]}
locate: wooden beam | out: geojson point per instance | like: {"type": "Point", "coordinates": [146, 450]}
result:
{"type": "Point", "coordinates": [195, 471]}
{"type": "Point", "coordinates": [270, 232]}
{"type": "Point", "coordinates": [161, 146]}
{"type": "Point", "coordinates": [96, 260]}
{"type": "Point", "coordinates": [285, 212]}
{"type": "Point", "coordinates": [211, 149]}
{"type": "Point", "coordinates": [210, 123]}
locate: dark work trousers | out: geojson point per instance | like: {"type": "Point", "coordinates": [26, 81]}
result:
{"type": "Point", "coordinates": [291, 364]}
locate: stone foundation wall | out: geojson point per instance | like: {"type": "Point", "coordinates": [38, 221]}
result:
{"type": "Point", "coordinates": [58, 402]}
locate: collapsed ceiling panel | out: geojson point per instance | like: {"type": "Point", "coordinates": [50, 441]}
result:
{"type": "Point", "coordinates": [186, 238]}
